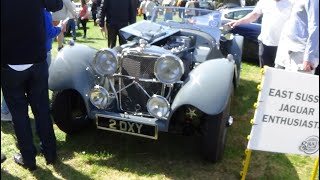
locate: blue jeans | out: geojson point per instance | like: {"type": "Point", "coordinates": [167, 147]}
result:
{"type": "Point", "coordinates": [48, 58]}
{"type": "Point", "coordinates": [21, 88]}
{"type": "Point", "coordinates": [168, 16]}
{"type": "Point", "coordinates": [4, 107]}
{"type": "Point", "coordinates": [72, 24]}
{"type": "Point", "coordinates": [181, 13]}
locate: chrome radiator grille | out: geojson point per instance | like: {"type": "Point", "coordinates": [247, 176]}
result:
{"type": "Point", "coordinates": [134, 98]}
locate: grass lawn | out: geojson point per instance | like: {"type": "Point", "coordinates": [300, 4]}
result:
{"type": "Point", "coordinates": [106, 155]}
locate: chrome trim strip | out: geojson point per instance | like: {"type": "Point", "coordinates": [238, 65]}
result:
{"type": "Point", "coordinates": [142, 89]}
{"type": "Point", "coordinates": [115, 93]}
{"type": "Point", "coordinates": [126, 87]}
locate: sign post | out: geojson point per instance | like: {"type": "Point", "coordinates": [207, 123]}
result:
{"type": "Point", "coordinates": [286, 119]}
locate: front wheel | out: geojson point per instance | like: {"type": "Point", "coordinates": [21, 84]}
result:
{"type": "Point", "coordinates": [214, 133]}
{"type": "Point", "coordinates": [69, 112]}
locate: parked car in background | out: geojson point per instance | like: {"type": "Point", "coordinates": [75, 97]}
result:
{"type": "Point", "coordinates": [250, 32]}
{"type": "Point", "coordinates": [206, 5]}
{"type": "Point", "coordinates": [174, 75]}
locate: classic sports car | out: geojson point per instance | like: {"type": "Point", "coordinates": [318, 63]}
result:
{"type": "Point", "coordinates": [174, 75]}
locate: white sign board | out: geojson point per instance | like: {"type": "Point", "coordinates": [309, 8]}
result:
{"type": "Point", "coordinates": [287, 116]}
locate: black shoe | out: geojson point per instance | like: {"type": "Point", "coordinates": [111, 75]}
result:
{"type": "Point", "coordinates": [51, 160]}
{"type": "Point", "coordinates": [59, 48]}
{"type": "Point", "coordinates": [18, 159]}
{"type": "Point", "coordinates": [3, 158]}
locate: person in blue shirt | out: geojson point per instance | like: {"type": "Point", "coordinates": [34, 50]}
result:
{"type": "Point", "coordinates": [51, 32]}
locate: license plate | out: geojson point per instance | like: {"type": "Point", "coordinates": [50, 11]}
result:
{"type": "Point", "coordinates": [128, 127]}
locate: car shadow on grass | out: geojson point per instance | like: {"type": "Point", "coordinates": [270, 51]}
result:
{"type": "Point", "coordinates": [174, 156]}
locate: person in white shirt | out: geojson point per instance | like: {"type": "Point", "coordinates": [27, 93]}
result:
{"type": "Point", "coordinates": [189, 13]}
{"type": "Point", "coordinates": [299, 43]}
{"type": "Point", "coordinates": [149, 7]}
{"type": "Point", "coordinates": [63, 14]}
{"type": "Point", "coordinates": [143, 9]}
{"type": "Point", "coordinates": [72, 15]}
{"type": "Point", "coordinates": [275, 14]}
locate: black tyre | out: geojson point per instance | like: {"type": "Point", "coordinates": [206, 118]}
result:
{"type": "Point", "coordinates": [69, 112]}
{"type": "Point", "coordinates": [214, 133]}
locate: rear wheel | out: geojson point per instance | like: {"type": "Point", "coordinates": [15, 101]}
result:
{"type": "Point", "coordinates": [69, 112]}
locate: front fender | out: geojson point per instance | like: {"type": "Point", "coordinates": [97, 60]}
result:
{"type": "Point", "coordinates": [208, 87]}
{"type": "Point", "coordinates": [71, 69]}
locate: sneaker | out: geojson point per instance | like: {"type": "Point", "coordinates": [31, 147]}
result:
{"type": "Point", "coordinates": [6, 116]}
{"type": "Point", "coordinates": [19, 160]}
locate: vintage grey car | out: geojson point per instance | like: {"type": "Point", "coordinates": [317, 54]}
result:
{"type": "Point", "coordinates": [174, 75]}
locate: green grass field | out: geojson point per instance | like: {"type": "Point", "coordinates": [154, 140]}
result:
{"type": "Point", "coordinates": [100, 154]}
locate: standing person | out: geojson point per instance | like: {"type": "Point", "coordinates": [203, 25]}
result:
{"type": "Point", "coordinates": [118, 15]}
{"type": "Point", "coordinates": [275, 14]}
{"type": "Point", "coordinates": [190, 12]}
{"type": "Point", "coordinates": [62, 15]}
{"type": "Point", "coordinates": [51, 32]}
{"type": "Point", "coordinates": [182, 3]}
{"type": "Point", "coordinates": [142, 9]}
{"type": "Point", "coordinates": [168, 14]}
{"type": "Point", "coordinates": [149, 7]}
{"type": "Point", "coordinates": [94, 8]}
{"type": "Point", "coordinates": [84, 17]}
{"type": "Point", "coordinates": [71, 25]}
{"type": "Point", "coordinates": [24, 76]}
{"type": "Point", "coordinates": [299, 44]}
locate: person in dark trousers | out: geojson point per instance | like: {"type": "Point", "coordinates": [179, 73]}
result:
{"type": "Point", "coordinates": [24, 76]}
{"type": "Point", "coordinates": [84, 17]}
{"type": "Point", "coordinates": [94, 8]}
{"type": "Point", "coordinates": [118, 15]}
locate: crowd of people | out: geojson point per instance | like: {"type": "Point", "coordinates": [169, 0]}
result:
{"type": "Point", "coordinates": [289, 39]}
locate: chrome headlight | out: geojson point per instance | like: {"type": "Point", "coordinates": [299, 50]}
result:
{"type": "Point", "coordinates": [158, 106]}
{"type": "Point", "coordinates": [99, 97]}
{"type": "Point", "coordinates": [168, 69]}
{"type": "Point", "coordinates": [105, 62]}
